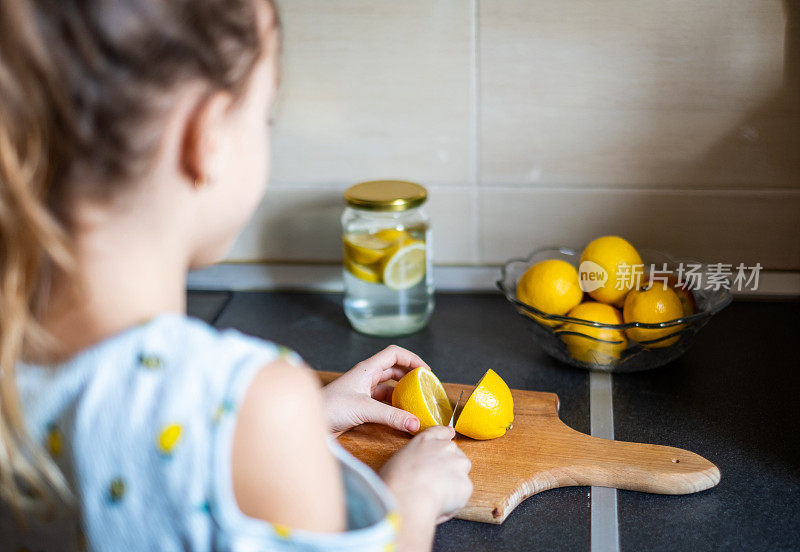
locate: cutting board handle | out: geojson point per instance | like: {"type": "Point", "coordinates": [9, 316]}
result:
{"type": "Point", "coordinates": [638, 466]}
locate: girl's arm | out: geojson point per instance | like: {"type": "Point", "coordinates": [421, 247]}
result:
{"type": "Point", "coordinates": [429, 477]}
{"type": "Point", "coordinates": [283, 471]}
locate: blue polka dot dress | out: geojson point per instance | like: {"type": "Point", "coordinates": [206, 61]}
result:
{"type": "Point", "coordinates": [142, 427]}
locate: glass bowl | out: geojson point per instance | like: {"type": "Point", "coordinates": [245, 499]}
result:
{"type": "Point", "coordinates": [710, 299]}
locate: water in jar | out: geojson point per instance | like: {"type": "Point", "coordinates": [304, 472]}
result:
{"type": "Point", "coordinates": [388, 280]}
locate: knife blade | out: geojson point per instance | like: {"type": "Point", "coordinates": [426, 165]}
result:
{"type": "Point", "coordinates": [453, 416]}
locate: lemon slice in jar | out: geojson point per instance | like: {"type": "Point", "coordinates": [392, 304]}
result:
{"type": "Point", "coordinates": [365, 273]}
{"type": "Point", "coordinates": [365, 249]}
{"type": "Point", "coordinates": [392, 235]}
{"type": "Point", "coordinates": [404, 266]}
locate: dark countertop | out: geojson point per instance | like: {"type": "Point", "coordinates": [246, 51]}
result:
{"type": "Point", "coordinates": [733, 398]}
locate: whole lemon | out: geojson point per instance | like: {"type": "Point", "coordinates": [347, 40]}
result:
{"type": "Point", "coordinates": [590, 344]}
{"type": "Point", "coordinates": [685, 294]}
{"type": "Point", "coordinates": [607, 269]}
{"type": "Point", "coordinates": [551, 286]}
{"type": "Point", "coordinates": [653, 303]}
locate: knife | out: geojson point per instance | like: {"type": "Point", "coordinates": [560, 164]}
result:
{"type": "Point", "coordinates": [453, 416]}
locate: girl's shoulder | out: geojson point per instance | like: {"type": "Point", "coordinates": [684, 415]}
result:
{"type": "Point", "coordinates": [167, 363]}
{"type": "Point", "coordinates": [141, 425]}
{"type": "Point", "coordinates": [175, 361]}
{"type": "Point", "coordinates": [180, 342]}
{"type": "Point", "coordinates": [168, 369]}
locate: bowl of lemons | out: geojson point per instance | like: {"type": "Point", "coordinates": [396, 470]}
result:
{"type": "Point", "coordinates": [612, 307]}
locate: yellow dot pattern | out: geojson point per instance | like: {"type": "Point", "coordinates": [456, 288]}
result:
{"type": "Point", "coordinates": [150, 362]}
{"type": "Point", "coordinates": [168, 438]}
{"type": "Point", "coordinates": [55, 442]}
{"type": "Point", "coordinates": [289, 356]}
{"type": "Point", "coordinates": [393, 518]}
{"type": "Point", "coordinates": [282, 531]}
{"type": "Point", "coordinates": [224, 407]}
{"type": "Point", "coordinates": [116, 490]}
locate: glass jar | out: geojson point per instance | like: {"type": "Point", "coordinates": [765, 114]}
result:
{"type": "Point", "coordinates": [388, 281]}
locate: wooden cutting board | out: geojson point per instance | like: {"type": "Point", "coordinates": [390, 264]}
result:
{"type": "Point", "coordinates": [541, 452]}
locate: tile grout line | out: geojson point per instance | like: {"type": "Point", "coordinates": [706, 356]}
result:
{"type": "Point", "coordinates": [474, 126]}
{"type": "Point", "coordinates": [604, 518]}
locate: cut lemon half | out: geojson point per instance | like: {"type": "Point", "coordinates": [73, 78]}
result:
{"type": "Point", "coordinates": [365, 249]}
{"type": "Point", "coordinates": [421, 393]}
{"type": "Point", "coordinates": [489, 410]}
{"type": "Point", "coordinates": [404, 266]}
{"type": "Point", "coordinates": [366, 273]}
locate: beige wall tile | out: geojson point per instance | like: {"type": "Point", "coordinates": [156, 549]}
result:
{"type": "Point", "coordinates": [293, 225]}
{"type": "Point", "coordinates": [713, 225]}
{"type": "Point", "coordinates": [659, 93]}
{"type": "Point", "coordinates": [546, 146]}
{"type": "Point", "coordinates": [667, 121]}
{"type": "Point", "coordinates": [374, 90]}
{"type": "Point", "coordinates": [303, 224]}
{"type": "Point", "coordinates": [455, 225]}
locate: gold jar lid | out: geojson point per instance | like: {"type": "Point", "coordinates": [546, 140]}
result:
{"type": "Point", "coordinates": [386, 195]}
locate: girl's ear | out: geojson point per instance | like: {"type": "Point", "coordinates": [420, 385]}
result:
{"type": "Point", "coordinates": [202, 136]}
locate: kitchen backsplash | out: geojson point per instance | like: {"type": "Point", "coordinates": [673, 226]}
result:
{"type": "Point", "coordinates": [675, 123]}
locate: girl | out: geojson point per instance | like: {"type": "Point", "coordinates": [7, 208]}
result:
{"type": "Point", "coordinates": [133, 147]}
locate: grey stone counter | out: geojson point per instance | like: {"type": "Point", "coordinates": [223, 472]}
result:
{"type": "Point", "coordinates": [735, 399]}
{"type": "Point", "coordinates": [732, 398]}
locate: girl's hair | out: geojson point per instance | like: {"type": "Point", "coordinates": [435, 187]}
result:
{"type": "Point", "coordinates": [82, 86]}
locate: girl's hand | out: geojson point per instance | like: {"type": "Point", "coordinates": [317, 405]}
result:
{"type": "Point", "coordinates": [429, 477]}
{"type": "Point", "coordinates": [354, 398]}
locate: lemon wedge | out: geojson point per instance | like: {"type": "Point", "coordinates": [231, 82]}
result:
{"type": "Point", "coordinates": [489, 410]}
{"type": "Point", "coordinates": [404, 266]}
{"type": "Point", "coordinates": [421, 393]}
